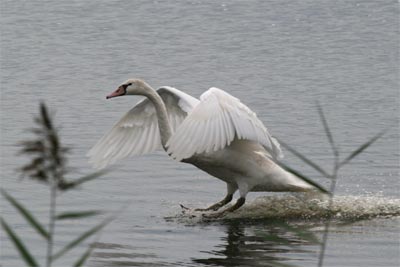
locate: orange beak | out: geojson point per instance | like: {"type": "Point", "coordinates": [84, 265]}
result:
{"type": "Point", "coordinates": [119, 92]}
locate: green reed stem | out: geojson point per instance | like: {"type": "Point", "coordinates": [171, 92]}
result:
{"type": "Point", "coordinates": [52, 212]}
{"type": "Point", "coordinates": [334, 175]}
{"type": "Point", "coordinates": [330, 205]}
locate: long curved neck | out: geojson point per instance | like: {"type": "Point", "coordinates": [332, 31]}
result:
{"type": "Point", "coordinates": [162, 116]}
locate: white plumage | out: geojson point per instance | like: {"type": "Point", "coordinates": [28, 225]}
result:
{"type": "Point", "coordinates": [214, 123]}
{"type": "Point", "coordinates": [218, 134]}
{"type": "Point", "coordinates": [137, 132]}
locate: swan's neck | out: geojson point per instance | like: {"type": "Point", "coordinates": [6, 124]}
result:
{"type": "Point", "coordinates": [162, 116]}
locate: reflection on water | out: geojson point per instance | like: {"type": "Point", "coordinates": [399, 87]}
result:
{"type": "Point", "coordinates": [260, 244]}
{"type": "Point", "coordinates": [111, 254]}
{"type": "Point", "coordinates": [284, 230]}
{"type": "Point", "coordinates": [245, 243]}
{"type": "Point", "coordinates": [269, 231]}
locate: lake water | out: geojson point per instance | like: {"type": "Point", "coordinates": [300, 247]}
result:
{"type": "Point", "coordinates": [278, 57]}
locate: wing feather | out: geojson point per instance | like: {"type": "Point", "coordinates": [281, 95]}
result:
{"type": "Point", "coordinates": [214, 123]}
{"type": "Point", "coordinates": [137, 132]}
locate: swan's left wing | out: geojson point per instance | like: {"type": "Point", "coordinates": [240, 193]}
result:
{"type": "Point", "coordinates": [137, 132]}
{"type": "Point", "coordinates": [214, 123]}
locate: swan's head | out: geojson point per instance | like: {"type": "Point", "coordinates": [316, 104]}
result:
{"type": "Point", "coordinates": [130, 87]}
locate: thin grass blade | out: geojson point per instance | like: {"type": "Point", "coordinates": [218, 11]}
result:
{"type": "Point", "coordinates": [301, 176]}
{"type": "Point", "coordinates": [305, 159]}
{"type": "Point", "coordinates": [362, 148]}
{"type": "Point", "coordinates": [26, 214]}
{"type": "Point", "coordinates": [81, 261]}
{"type": "Point", "coordinates": [327, 130]}
{"type": "Point", "coordinates": [23, 251]}
{"type": "Point", "coordinates": [84, 179]}
{"type": "Point", "coordinates": [77, 214]}
{"type": "Point", "coordinates": [81, 238]}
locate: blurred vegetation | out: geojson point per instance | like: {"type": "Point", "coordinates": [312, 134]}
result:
{"type": "Point", "coordinates": [338, 163]}
{"type": "Point", "coordinates": [48, 166]}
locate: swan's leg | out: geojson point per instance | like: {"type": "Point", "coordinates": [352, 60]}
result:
{"type": "Point", "coordinates": [237, 205]}
{"type": "Point", "coordinates": [243, 189]}
{"type": "Point", "coordinates": [218, 214]}
{"type": "Point", "coordinates": [231, 189]}
{"type": "Point", "coordinates": [218, 205]}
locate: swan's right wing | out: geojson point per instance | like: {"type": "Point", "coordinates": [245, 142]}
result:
{"type": "Point", "coordinates": [137, 131]}
{"type": "Point", "coordinates": [214, 123]}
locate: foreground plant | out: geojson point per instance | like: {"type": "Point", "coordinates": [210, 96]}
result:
{"type": "Point", "coordinates": [333, 176]}
{"type": "Point", "coordinates": [48, 166]}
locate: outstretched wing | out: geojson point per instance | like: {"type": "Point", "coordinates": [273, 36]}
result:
{"type": "Point", "coordinates": [137, 131]}
{"type": "Point", "coordinates": [214, 123]}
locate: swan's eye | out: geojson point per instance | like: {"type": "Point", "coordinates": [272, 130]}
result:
{"type": "Point", "coordinates": [129, 84]}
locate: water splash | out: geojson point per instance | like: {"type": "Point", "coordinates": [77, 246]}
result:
{"type": "Point", "coordinates": [344, 207]}
{"type": "Point", "coordinates": [292, 207]}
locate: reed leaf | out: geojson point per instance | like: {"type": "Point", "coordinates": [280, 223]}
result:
{"type": "Point", "coordinates": [45, 119]}
{"type": "Point", "coordinates": [77, 214]}
{"type": "Point", "coordinates": [301, 176]}
{"type": "Point", "coordinates": [26, 214]}
{"type": "Point", "coordinates": [362, 148]}
{"type": "Point", "coordinates": [81, 238]}
{"type": "Point", "coordinates": [305, 159]}
{"type": "Point", "coordinates": [327, 130]}
{"type": "Point", "coordinates": [81, 261]}
{"type": "Point", "coordinates": [23, 251]}
{"type": "Point", "coordinates": [84, 179]}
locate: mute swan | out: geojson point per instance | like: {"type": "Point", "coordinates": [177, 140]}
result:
{"type": "Point", "coordinates": [218, 134]}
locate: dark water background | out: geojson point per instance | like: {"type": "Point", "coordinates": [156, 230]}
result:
{"type": "Point", "coordinates": [278, 57]}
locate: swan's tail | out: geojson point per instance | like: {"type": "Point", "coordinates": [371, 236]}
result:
{"type": "Point", "coordinates": [304, 183]}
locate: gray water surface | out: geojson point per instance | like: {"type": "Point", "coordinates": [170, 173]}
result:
{"type": "Point", "coordinates": [278, 57]}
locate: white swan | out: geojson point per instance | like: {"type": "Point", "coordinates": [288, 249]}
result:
{"type": "Point", "coordinates": [218, 134]}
